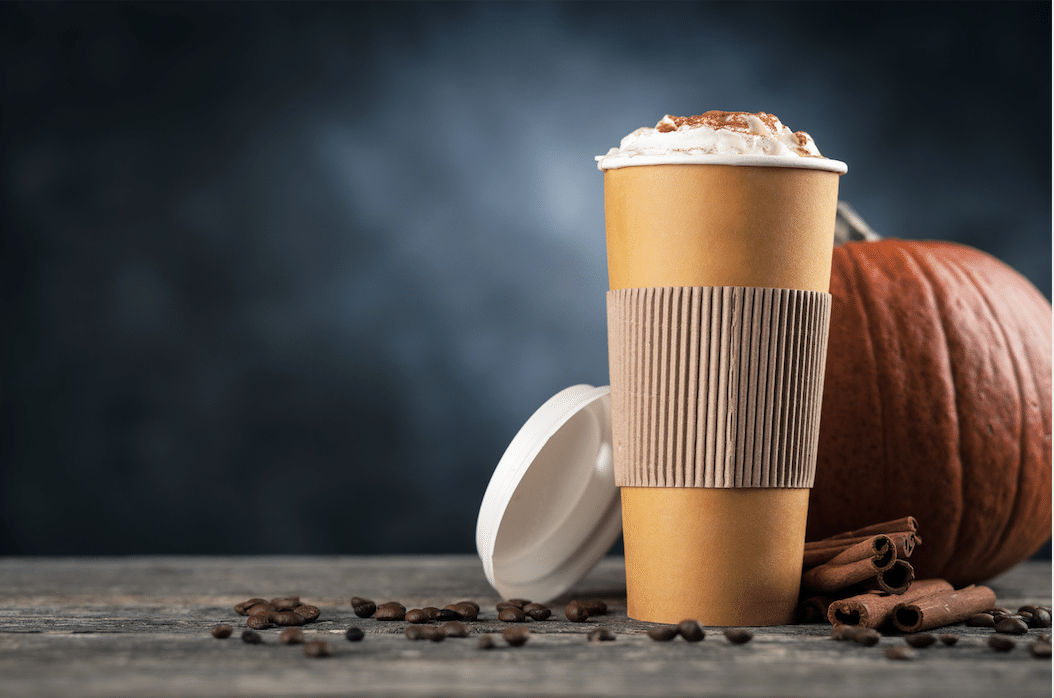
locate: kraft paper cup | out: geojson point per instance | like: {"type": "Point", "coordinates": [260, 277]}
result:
{"type": "Point", "coordinates": [718, 317]}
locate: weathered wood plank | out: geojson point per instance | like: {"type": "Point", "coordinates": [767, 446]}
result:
{"type": "Point", "coordinates": [139, 627]}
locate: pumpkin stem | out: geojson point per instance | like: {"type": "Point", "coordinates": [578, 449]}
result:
{"type": "Point", "coordinates": [850, 227]}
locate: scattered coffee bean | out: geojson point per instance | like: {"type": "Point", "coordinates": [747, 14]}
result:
{"type": "Point", "coordinates": [999, 609]}
{"type": "Point", "coordinates": [470, 603]}
{"type": "Point", "coordinates": [738, 636]}
{"type": "Point", "coordinates": [1030, 607]}
{"type": "Point", "coordinates": [363, 608]}
{"type": "Point", "coordinates": [1040, 618]}
{"type": "Point", "coordinates": [515, 636]}
{"type": "Point", "coordinates": [222, 631]}
{"type": "Point", "coordinates": [594, 607]}
{"type": "Point", "coordinates": [980, 620]}
{"type": "Point", "coordinates": [390, 611]}
{"type": "Point", "coordinates": [920, 639]}
{"type": "Point", "coordinates": [519, 603]}
{"type": "Point", "coordinates": [601, 635]}
{"type": "Point", "coordinates": [252, 637]}
{"type": "Point", "coordinates": [413, 632]}
{"type": "Point", "coordinates": [317, 648]}
{"type": "Point", "coordinates": [511, 614]}
{"type": "Point", "coordinates": [948, 638]}
{"type": "Point", "coordinates": [1044, 637]}
{"type": "Point", "coordinates": [432, 611]}
{"type": "Point", "coordinates": [258, 622]}
{"type": "Point", "coordinates": [445, 614]}
{"type": "Point", "coordinates": [1025, 616]}
{"type": "Point", "coordinates": [455, 628]}
{"type": "Point", "coordinates": [1011, 626]}
{"type": "Point", "coordinates": [536, 611]}
{"type": "Point", "coordinates": [416, 615]}
{"type": "Point", "coordinates": [500, 606]}
{"type": "Point", "coordinates": [575, 613]}
{"type": "Point", "coordinates": [309, 613]}
{"type": "Point", "coordinates": [354, 634]}
{"type": "Point", "coordinates": [242, 609]}
{"type": "Point", "coordinates": [486, 642]}
{"type": "Point", "coordinates": [1040, 650]}
{"type": "Point", "coordinates": [287, 618]}
{"type": "Point", "coordinates": [899, 652]}
{"type": "Point", "coordinates": [662, 633]}
{"type": "Point", "coordinates": [466, 611]}
{"type": "Point", "coordinates": [867, 636]}
{"type": "Point", "coordinates": [845, 632]}
{"type": "Point", "coordinates": [431, 632]}
{"type": "Point", "coordinates": [285, 603]}
{"type": "Point", "coordinates": [1001, 643]}
{"type": "Point", "coordinates": [262, 609]}
{"type": "Point", "coordinates": [292, 636]}
{"type": "Point", "coordinates": [690, 630]}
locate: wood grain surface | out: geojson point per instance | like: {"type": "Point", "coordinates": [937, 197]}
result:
{"type": "Point", "coordinates": [140, 627]}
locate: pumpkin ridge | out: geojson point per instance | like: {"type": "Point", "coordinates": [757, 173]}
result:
{"type": "Point", "coordinates": [1022, 469]}
{"type": "Point", "coordinates": [950, 526]}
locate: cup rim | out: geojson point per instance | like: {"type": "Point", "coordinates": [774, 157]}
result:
{"type": "Point", "coordinates": [614, 162]}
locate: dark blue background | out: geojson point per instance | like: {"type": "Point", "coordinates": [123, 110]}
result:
{"type": "Point", "coordinates": [289, 277]}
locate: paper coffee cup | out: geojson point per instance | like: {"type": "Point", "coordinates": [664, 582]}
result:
{"type": "Point", "coordinates": [718, 317]}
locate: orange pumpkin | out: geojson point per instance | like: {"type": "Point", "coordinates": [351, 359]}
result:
{"type": "Point", "coordinates": [937, 404]}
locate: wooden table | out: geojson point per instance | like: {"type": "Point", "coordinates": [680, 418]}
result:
{"type": "Point", "coordinates": [140, 626]}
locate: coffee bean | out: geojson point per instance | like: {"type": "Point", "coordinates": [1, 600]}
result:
{"type": "Point", "coordinates": [512, 615]}
{"type": "Point", "coordinates": [292, 636]}
{"type": "Point", "coordinates": [413, 632]}
{"type": "Point", "coordinates": [466, 611]}
{"type": "Point", "coordinates": [867, 636]}
{"type": "Point", "coordinates": [242, 609]}
{"type": "Point", "coordinates": [416, 615]}
{"type": "Point", "coordinates": [594, 607]}
{"type": "Point", "coordinates": [601, 635]}
{"type": "Point", "coordinates": [431, 632]}
{"type": "Point", "coordinates": [948, 638]}
{"type": "Point", "coordinates": [486, 642]}
{"type": "Point", "coordinates": [690, 630]}
{"type": "Point", "coordinates": [432, 611]}
{"type": "Point", "coordinates": [1040, 618]}
{"type": "Point", "coordinates": [899, 652]}
{"type": "Point", "coordinates": [980, 620]}
{"type": "Point", "coordinates": [737, 636]}
{"type": "Point", "coordinates": [444, 614]}
{"type": "Point", "coordinates": [470, 603]}
{"type": "Point", "coordinates": [455, 628]}
{"type": "Point", "coordinates": [1045, 637]}
{"type": "Point", "coordinates": [1001, 643]}
{"type": "Point", "coordinates": [662, 633]}
{"type": "Point", "coordinates": [354, 634]}
{"type": "Point", "coordinates": [999, 609]}
{"type": "Point", "coordinates": [359, 601]}
{"type": "Point", "coordinates": [365, 610]}
{"type": "Point", "coordinates": [1025, 616]}
{"type": "Point", "coordinates": [1030, 607]}
{"type": "Point", "coordinates": [252, 637]}
{"type": "Point", "coordinates": [515, 636]}
{"type": "Point", "coordinates": [1011, 626]}
{"type": "Point", "coordinates": [575, 613]}
{"type": "Point", "coordinates": [920, 639]}
{"type": "Point", "coordinates": [519, 603]}
{"type": "Point", "coordinates": [317, 648]}
{"type": "Point", "coordinates": [286, 618]}
{"type": "Point", "coordinates": [536, 611]}
{"type": "Point", "coordinates": [222, 631]}
{"type": "Point", "coordinates": [309, 613]}
{"type": "Point", "coordinates": [285, 603]}
{"type": "Point", "coordinates": [258, 622]}
{"type": "Point", "coordinates": [1040, 650]}
{"type": "Point", "coordinates": [845, 632]}
{"type": "Point", "coordinates": [500, 606]}
{"type": "Point", "coordinates": [262, 609]}
{"type": "Point", "coordinates": [390, 611]}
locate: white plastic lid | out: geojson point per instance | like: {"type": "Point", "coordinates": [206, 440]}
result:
{"type": "Point", "coordinates": [552, 509]}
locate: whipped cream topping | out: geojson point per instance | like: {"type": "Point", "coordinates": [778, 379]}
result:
{"type": "Point", "coordinates": [719, 137]}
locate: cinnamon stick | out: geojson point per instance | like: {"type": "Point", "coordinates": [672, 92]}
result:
{"type": "Point", "coordinates": [861, 562]}
{"type": "Point", "coordinates": [815, 609]}
{"type": "Point", "coordinates": [942, 608]}
{"type": "Point", "coordinates": [820, 551]}
{"type": "Point", "coordinates": [874, 609]}
{"type": "Point", "coordinates": [907, 524]}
